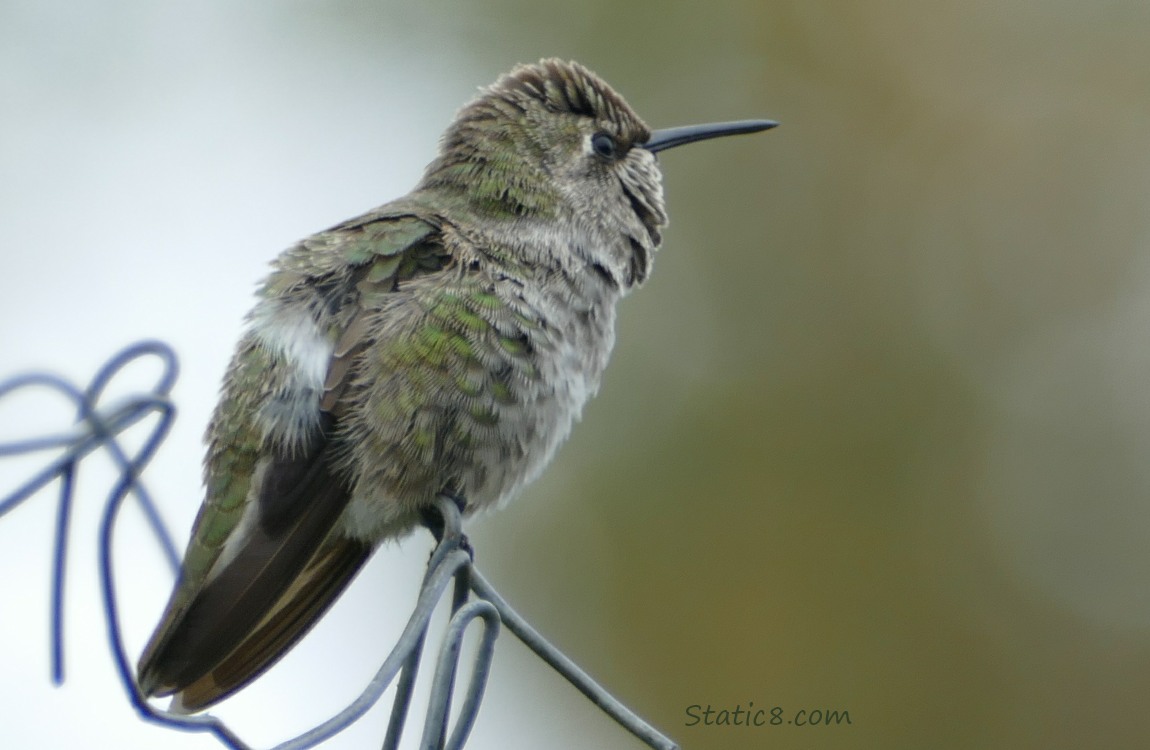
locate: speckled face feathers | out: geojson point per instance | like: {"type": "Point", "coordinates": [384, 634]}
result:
{"type": "Point", "coordinates": [523, 148]}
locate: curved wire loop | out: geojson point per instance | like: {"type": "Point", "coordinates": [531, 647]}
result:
{"type": "Point", "coordinates": [99, 425]}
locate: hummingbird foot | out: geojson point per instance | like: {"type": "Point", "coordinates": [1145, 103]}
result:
{"type": "Point", "coordinates": [446, 513]}
{"type": "Point", "coordinates": [465, 545]}
{"type": "Point", "coordinates": [445, 522]}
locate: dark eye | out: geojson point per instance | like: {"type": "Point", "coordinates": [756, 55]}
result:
{"type": "Point", "coordinates": [604, 145]}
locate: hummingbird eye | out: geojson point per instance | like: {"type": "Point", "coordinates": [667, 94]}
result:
{"type": "Point", "coordinates": [604, 145]}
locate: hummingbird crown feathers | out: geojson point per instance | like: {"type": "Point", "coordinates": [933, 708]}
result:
{"type": "Point", "coordinates": [568, 87]}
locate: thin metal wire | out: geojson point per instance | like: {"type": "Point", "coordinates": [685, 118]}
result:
{"type": "Point", "coordinates": [444, 684]}
{"type": "Point", "coordinates": [93, 430]}
{"type": "Point", "coordinates": [99, 426]}
{"type": "Point", "coordinates": [569, 669]}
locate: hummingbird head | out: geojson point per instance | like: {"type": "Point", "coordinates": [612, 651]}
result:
{"type": "Point", "coordinates": [554, 141]}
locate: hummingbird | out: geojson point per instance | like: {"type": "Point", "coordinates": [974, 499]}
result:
{"type": "Point", "coordinates": [441, 344]}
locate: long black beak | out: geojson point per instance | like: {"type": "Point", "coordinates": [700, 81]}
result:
{"type": "Point", "coordinates": [671, 137]}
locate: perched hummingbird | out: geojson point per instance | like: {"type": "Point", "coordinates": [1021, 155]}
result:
{"type": "Point", "coordinates": [443, 343]}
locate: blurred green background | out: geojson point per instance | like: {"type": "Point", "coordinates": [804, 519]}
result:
{"type": "Point", "coordinates": [875, 435]}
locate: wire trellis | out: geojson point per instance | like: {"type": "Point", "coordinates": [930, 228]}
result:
{"type": "Point", "coordinates": [99, 425]}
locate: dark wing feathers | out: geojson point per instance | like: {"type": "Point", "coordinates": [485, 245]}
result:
{"type": "Point", "coordinates": [311, 593]}
{"type": "Point", "coordinates": [236, 623]}
{"type": "Point", "coordinates": [219, 627]}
